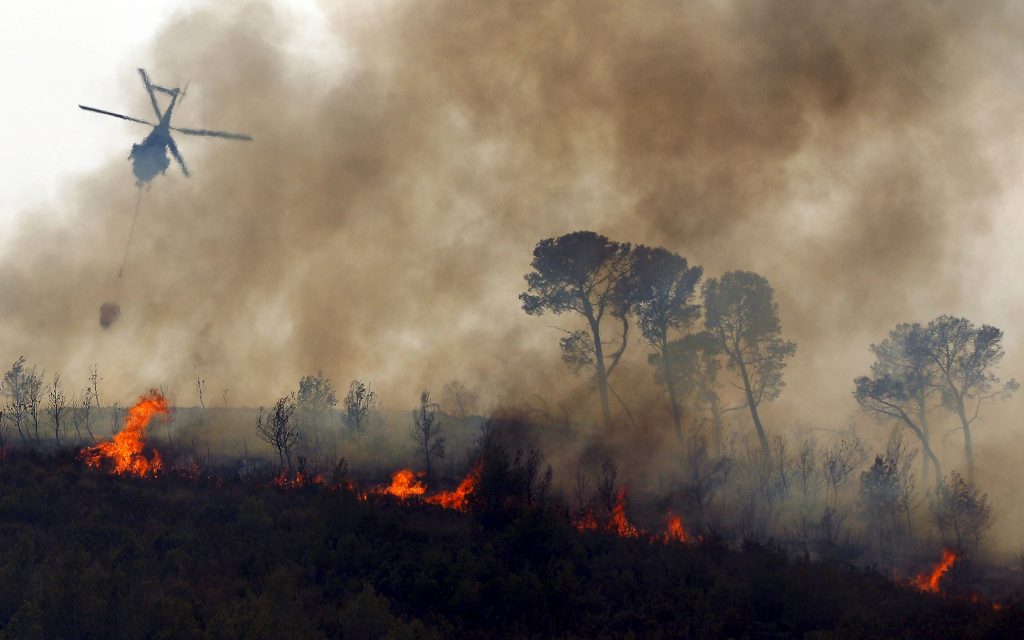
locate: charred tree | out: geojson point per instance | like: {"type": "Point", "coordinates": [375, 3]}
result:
{"type": "Point", "coordinates": [57, 407]}
{"type": "Point", "coordinates": [277, 429]}
{"type": "Point", "coordinates": [426, 434]}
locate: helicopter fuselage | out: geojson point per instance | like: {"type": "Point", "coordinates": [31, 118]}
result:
{"type": "Point", "coordinates": [149, 158]}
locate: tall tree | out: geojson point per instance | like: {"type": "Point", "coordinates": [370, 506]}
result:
{"type": "Point", "coordinates": [902, 357]}
{"type": "Point", "coordinates": [694, 362]}
{"type": "Point", "coordinates": [888, 397]}
{"type": "Point", "coordinates": [426, 433]}
{"type": "Point", "coordinates": [277, 429]}
{"type": "Point", "coordinates": [741, 313]}
{"type": "Point", "coordinates": [315, 401]}
{"type": "Point", "coordinates": [14, 387]}
{"type": "Point", "coordinates": [585, 273]}
{"type": "Point", "coordinates": [665, 286]}
{"type": "Point", "coordinates": [316, 393]}
{"type": "Point", "coordinates": [965, 358]}
{"type": "Point", "coordinates": [57, 407]}
{"type": "Point", "coordinates": [359, 404]}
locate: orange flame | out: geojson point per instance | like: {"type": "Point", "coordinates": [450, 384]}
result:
{"type": "Point", "coordinates": [929, 582]}
{"type": "Point", "coordinates": [125, 450]}
{"type": "Point", "coordinates": [674, 531]}
{"type": "Point", "coordinates": [586, 522]}
{"type": "Point", "coordinates": [406, 484]}
{"type": "Point", "coordinates": [619, 523]}
{"type": "Point", "coordinates": [459, 498]}
{"type": "Point", "coordinates": [284, 480]}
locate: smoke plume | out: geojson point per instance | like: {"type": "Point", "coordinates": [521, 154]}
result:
{"type": "Point", "coordinates": [380, 224]}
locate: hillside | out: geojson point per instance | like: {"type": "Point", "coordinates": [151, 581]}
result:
{"type": "Point", "coordinates": [92, 555]}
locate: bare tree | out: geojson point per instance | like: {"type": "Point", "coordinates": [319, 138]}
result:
{"type": "Point", "coordinates": [277, 429]}
{"type": "Point", "coordinates": [94, 382]}
{"type": "Point", "coordinates": [360, 402]}
{"type": "Point", "coordinates": [607, 488]}
{"type": "Point", "coordinates": [808, 483]}
{"type": "Point", "coordinates": [886, 490]}
{"type": "Point", "coordinates": [581, 493]}
{"type": "Point", "coordinates": [116, 417]}
{"type": "Point", "coordinates": [81, 413]}
{"type": "Point", "coordinates": [840, 461]}
{"type": "Point", "coordinates": [14, 388]}
{"type": "Point", "coordinates": [33, 391]}
{"type": "Point", "coordinates": [23, 387]}
{"type": "Point", "coordinates": [425, 432]}
{"type": "Point", "coordinates": [57, 407]}
{"type": "Point", "coordinates": [705, 475]}
{"type": "Point", "coordinates": [200, 389]}
{"type": "Point", "coordinates": [224, 395]}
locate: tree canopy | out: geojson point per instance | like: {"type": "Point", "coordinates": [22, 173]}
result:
{"type": "Point", "coordinates": [585, 273]}
{"type": "Point", "coordinates": [741, 313]}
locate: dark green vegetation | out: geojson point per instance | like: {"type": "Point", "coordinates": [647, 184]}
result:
{"type": "Point", "coordinates": [90, 555]}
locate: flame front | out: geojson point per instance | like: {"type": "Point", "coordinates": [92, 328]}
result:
{"type": "Point", "coordinates": [929, 582]}
{"type": "Point", "coordinates": [619, 523]}
{"type": "Point", "coordinates": [674, 531]}
{"type": "Point", "coordinates": [458, 499]}
{"type": "Point", "coordinates": [406, 484]}
{"type": "Point", "coordinates": [300, 480]}
{"type": "Point", "coordinates": [125, 451]}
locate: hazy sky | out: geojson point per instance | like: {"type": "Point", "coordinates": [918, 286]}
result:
{"type": "Point", "coordinates": [408, 155]}
{"type": "Point", "coordinates": [56, 54]}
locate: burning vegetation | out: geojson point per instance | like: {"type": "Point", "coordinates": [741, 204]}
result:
{"type": "Point", "coordinates": [459, 497]}
{"type": "Point", "coordinates": [929, 581]}
{"type": "Point", "coordinates": [405, 483]}
{"type": "Point", "coordinates": [124, 454]}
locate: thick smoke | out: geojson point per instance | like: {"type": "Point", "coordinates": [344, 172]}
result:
{"type": "Point", "coordinates": [380, 224]}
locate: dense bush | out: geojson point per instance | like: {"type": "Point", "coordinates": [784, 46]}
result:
{"type": "Point", "coordinates": [88, 555]}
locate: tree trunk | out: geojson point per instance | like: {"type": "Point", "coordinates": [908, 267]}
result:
{"type": "Point", "coordinates": [968, 448]}
{"type": "Point", "coordinates": [677, 414]}
{"type": "Point", "coordinates": [599, 373]}
{"type": "Point", "coordinates": [935, 461]}
{"type": "Point", "coordinates": [753, 412]}
{"type": "Point", "coordinates": [716, 424]}
{"type": "Point", "coordinates": [922, 418]}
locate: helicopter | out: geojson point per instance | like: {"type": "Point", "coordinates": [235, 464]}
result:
{"type": "Point", "coordinates": [149, 157]}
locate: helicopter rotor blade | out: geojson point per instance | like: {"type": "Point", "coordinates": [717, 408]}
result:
{"type": "Point", "coordinates": [116, 115]}
{"type": "Point", "coordinates": [214, 134]}
{"type": "Point", "coordinates": [149, 89]}
{"type": "Point", "coordinates": [177, 155]}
